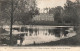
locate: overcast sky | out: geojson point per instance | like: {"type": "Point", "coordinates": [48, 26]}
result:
{"type": "Point", "coordinates": [50, 3]}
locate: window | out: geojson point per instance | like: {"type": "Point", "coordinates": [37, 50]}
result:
{"type": "Point", "coordinates": [67, 21]}
{"type": "Point", "coordinates": [59, 21]}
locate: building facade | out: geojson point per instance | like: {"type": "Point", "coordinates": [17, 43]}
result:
{"type": "Point", "coordinates": [43, 17]}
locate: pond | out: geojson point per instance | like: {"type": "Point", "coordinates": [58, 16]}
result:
{"type": "Point", "coordinates": [35, 34]}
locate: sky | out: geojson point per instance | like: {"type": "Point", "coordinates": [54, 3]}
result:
{"type": "Point", "coordinates": [50, 3]}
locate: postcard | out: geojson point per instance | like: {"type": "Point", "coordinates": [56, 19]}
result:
{"type": "Point", "coordinates": [49, 25]}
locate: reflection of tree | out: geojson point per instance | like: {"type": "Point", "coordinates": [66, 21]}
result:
{"type": "Point", "coordinates": [51, 31]}
{"type": "Point", "coordinates": [35, 30]}
{"type": "Point", "coordinates": [31, 31]}
{"type": "Point", "coordinates": [57, 32]}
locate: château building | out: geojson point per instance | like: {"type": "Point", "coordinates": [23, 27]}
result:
{"type": "Point", "coordinates": [44, 17]}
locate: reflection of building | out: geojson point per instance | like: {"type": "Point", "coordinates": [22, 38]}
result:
{"type": "Point", "coordinates": [41, 34]}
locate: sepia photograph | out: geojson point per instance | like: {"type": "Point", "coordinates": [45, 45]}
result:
{"type": "Point", "coordinates": [39, 23]}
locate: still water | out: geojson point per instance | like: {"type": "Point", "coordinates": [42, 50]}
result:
{"type": "Point", "coordinates": [42, 34]}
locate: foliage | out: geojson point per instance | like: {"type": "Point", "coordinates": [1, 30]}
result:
{"type": "Point", "coordinates": [57, 12]}
{"type": "Point", "coordinates": [70, 13]}
{"type": "Point", "coordinates": [22, 11]}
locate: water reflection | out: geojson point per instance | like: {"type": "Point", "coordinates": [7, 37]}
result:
{"type": "Point", "coordinates": [44, 34]}
{"type": "Point", "coordinates": [26, 35]}
{"type": "Point", "coordinates": [58, 31]}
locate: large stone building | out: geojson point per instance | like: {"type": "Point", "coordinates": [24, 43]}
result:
{"type": "Point", "coordinates": [43, 17]}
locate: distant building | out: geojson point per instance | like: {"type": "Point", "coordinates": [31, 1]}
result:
{"type": "Point", "coordinates": [43, 17]}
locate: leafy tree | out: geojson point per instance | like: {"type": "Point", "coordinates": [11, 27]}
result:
{"type": "Point", "coordinates": [21, 11]}
{"type": "Point", "coordinates": [51, 10]}
{"type": "Point", "coordinates": [70, 13]}
{"type": "Point", "coordinates": [57, 13]}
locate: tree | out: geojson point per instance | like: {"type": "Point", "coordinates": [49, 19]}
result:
{"type": "Point", "coordinates": [21, 10]}
{"type": "Point", "coordinates": [70, 13]}
{"type": "Point", "coordinates": [57, 13]}
{"type": "Point", "coordinates": [15, 10]}
{"type": "Point", "coordinates": [51, 10]}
